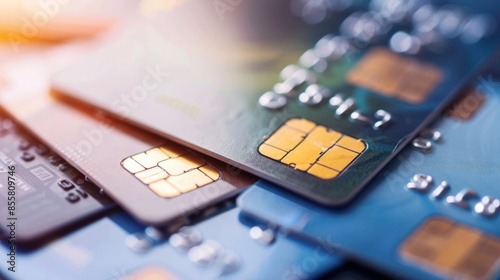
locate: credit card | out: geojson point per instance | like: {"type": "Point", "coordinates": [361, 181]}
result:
{"type": "Point", "coordinates": [315, 99]}
{"type": "Point", "coordinates": [432, 213]}
{"type": "Point", "coordinates": [40, 193]}
{"type": "Point", "coordinates": [155, 180]}
{"type": "Point", "coordinates": [208, 253]}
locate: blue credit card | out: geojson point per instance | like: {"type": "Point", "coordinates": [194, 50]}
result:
{"type": "Point", "coordinates": [431, 213]}
{"type": "Point", "coordinates": [226, 246]}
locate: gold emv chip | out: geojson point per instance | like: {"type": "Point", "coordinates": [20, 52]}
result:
{"type": "Point", "coordinates": [452, 249]}
{"type": "Point", "coordinates": [395, 76]}
{"type": "Point", "coordinates": [315, 149]}
{"type": "Point", "coordinates": [170, 170]}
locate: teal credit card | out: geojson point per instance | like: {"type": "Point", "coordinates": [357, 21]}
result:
{"type": "Point", "coordinates": [432, 213]}
{"type": "Point", "coordinates": [316, 101]}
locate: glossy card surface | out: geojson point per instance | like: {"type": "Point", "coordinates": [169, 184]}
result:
{"type": "Point", "coordinates": [433, 212]}
{"type": "Point", "coordinates": [225, 81]}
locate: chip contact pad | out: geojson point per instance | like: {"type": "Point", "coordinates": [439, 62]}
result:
{"type": "Point", "coordinates": [311, 148]}
{"type": "Point", "coordinates": [170, 170]}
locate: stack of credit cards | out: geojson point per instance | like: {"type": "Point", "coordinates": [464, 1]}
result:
{"type": "Point", "coordinates": [317, 109]}
{"type": "Point", "coordinates": [350, 134]}
{"type": "Point", "coordinates": [157, 180]}
{"type": "Point", "coordinates": [432, 213]}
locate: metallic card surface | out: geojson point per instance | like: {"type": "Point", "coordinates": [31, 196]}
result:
{"type": "Point", "coordinates": [212, 85]}
{"type": "Point", "coordinates": [456, 180]}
